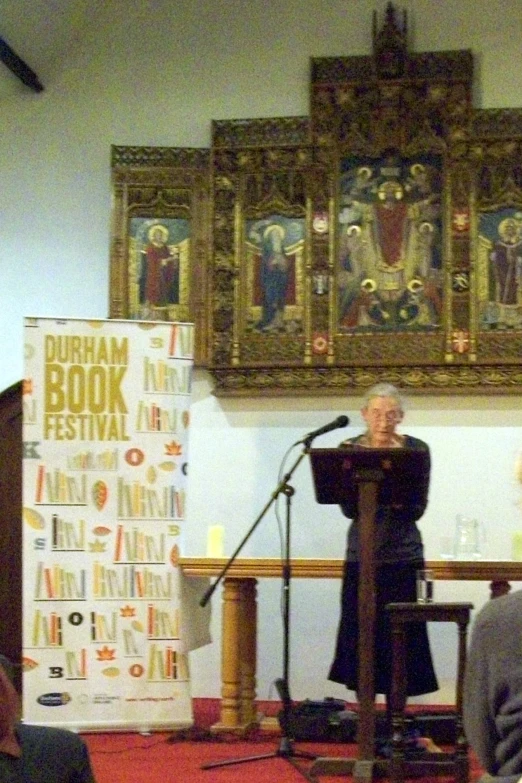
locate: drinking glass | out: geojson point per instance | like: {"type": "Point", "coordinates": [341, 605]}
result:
{"type": "Point", "coordinates": [425, 579]}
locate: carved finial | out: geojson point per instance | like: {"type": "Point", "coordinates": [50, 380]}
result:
{"type": "Point", "coordinates": [390, 45]}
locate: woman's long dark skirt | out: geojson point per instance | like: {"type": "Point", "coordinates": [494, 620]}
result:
{"type": "Point", "coordinates": [395, 582]}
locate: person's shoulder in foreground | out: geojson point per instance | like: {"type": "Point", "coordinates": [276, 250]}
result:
{"type": "Point", "coordinates": [37, 754]}
{"type": "Point", "coordinates": [52, 754]}
{"type": "Point", "coordinates": [493, 689]}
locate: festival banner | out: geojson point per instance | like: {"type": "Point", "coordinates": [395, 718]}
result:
{"type": "Point", "coordinates": [106, 415]}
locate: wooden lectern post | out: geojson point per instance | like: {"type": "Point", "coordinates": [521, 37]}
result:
{"type": "Point", "coordinates": [366, 475]}
{"type": "Point", "coordinates": [368, 492]}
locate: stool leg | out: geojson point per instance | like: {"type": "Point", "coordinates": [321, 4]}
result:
{"type": "Point", "coordinates": [397, 702]}
{"type": "Point", "coordinates": [454, 763]}
{"type": "Point", "coordinates": [461, 743]}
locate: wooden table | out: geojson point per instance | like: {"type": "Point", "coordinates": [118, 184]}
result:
{"type": "Point", "coordinates": [239, 614]}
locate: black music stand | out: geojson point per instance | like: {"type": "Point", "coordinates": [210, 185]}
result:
{"type": "Point", "coordinates": [286, 748]}
{"type": "Point", "coordinates": [365, 478]}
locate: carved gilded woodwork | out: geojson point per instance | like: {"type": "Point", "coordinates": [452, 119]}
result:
{"type": "Point", "coordinates": [159, 237]}
{"type": "Point", "coordinates": [378, 239]}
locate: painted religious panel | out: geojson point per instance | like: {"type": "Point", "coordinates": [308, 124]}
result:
{"type": "Point", "coordinates": [261, 270]}
{"type": "Point", "coordinates": [500, 269]}
{"type": "Point", "coordinates": [496, 230]}
{"type": "Point", "coordinates": [390, 273]}
{"type": "Point", "coordinates": [159, 253]}
{"type": "Point", "coordinates": [274, 260]}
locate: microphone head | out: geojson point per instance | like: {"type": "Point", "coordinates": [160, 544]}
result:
{"type": "Point", "coordinates": [343, 421]}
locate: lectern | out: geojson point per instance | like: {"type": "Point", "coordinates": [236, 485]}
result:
{"type": "Point", "coordinates": [365, 478]}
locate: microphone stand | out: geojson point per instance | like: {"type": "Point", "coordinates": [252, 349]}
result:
{"type": "Point", "coordinates": [285, 749]}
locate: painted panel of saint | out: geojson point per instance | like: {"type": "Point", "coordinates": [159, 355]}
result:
{"type": "Point", "coordinates": [500, 269]}
{"type": "Point", "coordinates": [390, 244]}
{"type": "Point", "coordinates": [274, 249]}
{"type": "Point", "coordinates": [158, 268]}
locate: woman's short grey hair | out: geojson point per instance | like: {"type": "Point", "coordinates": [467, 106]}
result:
{"type": "Point", "coordinates": [383, 390]}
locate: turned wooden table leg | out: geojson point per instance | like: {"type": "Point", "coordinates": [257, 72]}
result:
{"type": "Point", "coordinates": [248, 652]}
{"type": "Point", "coordinates": [230, 657]}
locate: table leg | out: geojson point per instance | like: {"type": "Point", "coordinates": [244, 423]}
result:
{"type": "Point", "coordinates": [230, 657]}
{"type": "Point", "coordinates": [238, 655]}
{"type": "Point", "coordinates": [248, 651]}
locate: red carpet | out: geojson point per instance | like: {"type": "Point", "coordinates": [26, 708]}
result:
{"type": "Point", "coordinates": [176, 757]}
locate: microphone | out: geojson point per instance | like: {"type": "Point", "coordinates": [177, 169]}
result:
{"type": "Point", "coordinates": [340, 421]}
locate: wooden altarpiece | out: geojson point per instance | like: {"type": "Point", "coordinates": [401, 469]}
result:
{"type": "Point", "coordinates": [377, 239]}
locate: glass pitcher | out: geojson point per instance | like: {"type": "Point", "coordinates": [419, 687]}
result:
{"type": "Point", "coordinates": [469, 538]}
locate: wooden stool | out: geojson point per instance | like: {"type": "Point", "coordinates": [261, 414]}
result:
{"type": "Point", "coordinates": [455, 762]}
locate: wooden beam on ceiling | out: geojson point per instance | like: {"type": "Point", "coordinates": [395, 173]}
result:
{"type": "Point", "coordinates": [19, 67]}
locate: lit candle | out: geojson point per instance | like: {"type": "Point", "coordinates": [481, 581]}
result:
{"type": "Point", "coordinates": [516, 546]}
{"type": "Point", "coordinates": [215, 538]}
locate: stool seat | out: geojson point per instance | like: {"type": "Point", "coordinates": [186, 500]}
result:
{"type": "Point", "coordinates": [444, 763]}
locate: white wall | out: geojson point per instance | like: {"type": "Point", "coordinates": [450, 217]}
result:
{"type": "Point", "coordinates": [157, 73]}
